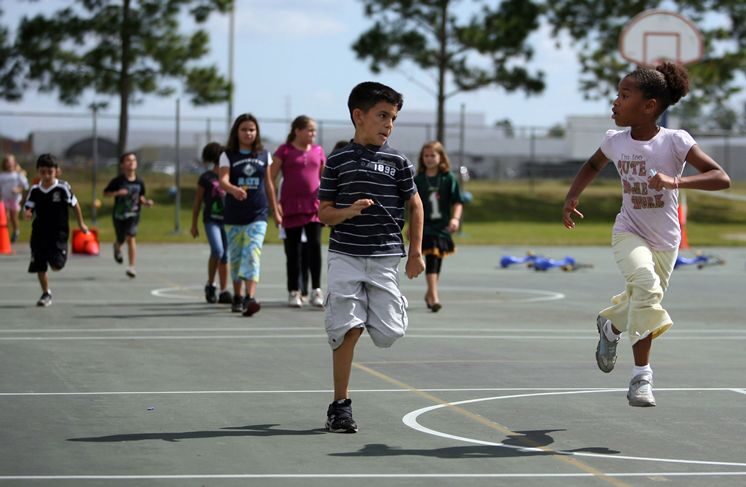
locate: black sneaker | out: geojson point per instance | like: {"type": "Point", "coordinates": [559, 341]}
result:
{"type": "Point", "coordinates": [339, 417]}
{"type": "Point", "coordinates": [250, 306]}
{"type": "Point", "coordinates": [237, 306]}
{"type": "Point", "coordinates": [45, 300]}
{"type": "Point", "coordinates": [225, 297]}
{"type": "Point", "coordinates": [118, 254]}
{"type": "Point", "coordinates": [211, 293]}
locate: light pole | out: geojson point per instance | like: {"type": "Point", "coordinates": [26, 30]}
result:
{"type": "Point", "coordinates": [231, 29]}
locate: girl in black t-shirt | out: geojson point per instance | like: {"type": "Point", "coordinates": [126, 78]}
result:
{"type": "Point", "coordinates": [210, 195]}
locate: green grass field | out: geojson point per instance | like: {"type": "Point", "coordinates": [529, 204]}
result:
{"type": "Point", "coordinates": [501, 213]}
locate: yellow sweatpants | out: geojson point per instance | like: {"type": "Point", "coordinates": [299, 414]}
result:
{"type": "Point", "coordinates": [638, 309]}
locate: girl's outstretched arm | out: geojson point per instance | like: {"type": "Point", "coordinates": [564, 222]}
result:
{"type": "Point", "coordinates": [587, 173]}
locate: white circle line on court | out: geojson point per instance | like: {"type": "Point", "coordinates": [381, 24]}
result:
{"type": "Point", "coordinates": [372, 476]}
{"type": "Point", "coordinates": [176, 292]}
{"type": "Point", "coordinates": [410, 419]}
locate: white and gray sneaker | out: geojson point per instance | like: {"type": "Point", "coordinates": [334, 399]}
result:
{"type": "Point", "coordinates": [45, 299]}
{"type": "Point", "coordinates": [317, 298]}
{"type": "Point", "coordinates": [606, 349]}
{"type": "Point", "coordinates": [640, 391]}
{"type": "Point", "coordinates": [294, 300]}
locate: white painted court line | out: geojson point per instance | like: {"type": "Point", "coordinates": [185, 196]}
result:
{"type": "Point", "coordinates": [410, 419]}
{"type": "Point", "coordinates": [419, 328]}
{"type": "Point", "coordinates": [321, 335]}
{"type": "Point", "coordinates": [360, 391]}
{"type": "Point", "coordinates": [740, 391]}
{"type": "Point", "coordinates": [186, 293]}
{"type": "Point", "coordinates": [372, 476]}
{"type": "Point", "coordinates": [302, 391]}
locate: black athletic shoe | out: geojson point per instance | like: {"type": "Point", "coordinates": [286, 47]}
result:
{"type": "Point", "coordinates": [237, 306]}
{"type": "Point", "coordinates": [45, 300]}
{"type": "Point", "coordinates": [250, 306]}
{"type": "Point", "coordinates": [118, 254]}
{"type": "Point", "coordinates": [225, 297]}
{"type": "Point", "coordinates": [339, 417]}
{"type": "Point", "coordinates": [211, 293]}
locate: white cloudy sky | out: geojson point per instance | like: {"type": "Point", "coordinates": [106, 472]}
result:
{"type": "Point", "coordinates": [294, 56]}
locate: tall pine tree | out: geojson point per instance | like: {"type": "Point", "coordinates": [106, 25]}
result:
{"type": "Point", "coordinates": [122, 48]}
{"type": "Point", "coordinates": [429, 34]}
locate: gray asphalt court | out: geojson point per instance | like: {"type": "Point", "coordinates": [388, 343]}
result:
{"type": "Point", "coordinates": [140, 382]}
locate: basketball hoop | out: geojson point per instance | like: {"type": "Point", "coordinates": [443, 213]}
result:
{"type": "Point", "coordinates": [654, 36]}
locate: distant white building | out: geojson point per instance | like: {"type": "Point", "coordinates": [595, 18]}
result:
{"type": "Point", "coordinates": [486, 150]}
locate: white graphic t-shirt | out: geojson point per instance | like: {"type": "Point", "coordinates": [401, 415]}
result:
{"type": "Point", "coordinates": [650, 214]}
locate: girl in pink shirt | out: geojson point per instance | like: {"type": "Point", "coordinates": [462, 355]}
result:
{"type": "Point", "coordinates": [301, 163]}
{"type": "Point", "coordinates": [650, 160]}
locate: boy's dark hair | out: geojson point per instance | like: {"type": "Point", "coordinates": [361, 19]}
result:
{"type": "Point", "coordinates": [365, 95]}
{"type": "Point", "coordinates": [123, 156]}
{"type": "Point", "coordinates": [47, 160]}
{"type": "Point", "coordinates": [233, 145]}
{"type": "Point", "coordinates": [667, 83]}
{"type": "Point", "coordinates": [340, 144]}
{"type": "Point", "coordinates": [211, 152]}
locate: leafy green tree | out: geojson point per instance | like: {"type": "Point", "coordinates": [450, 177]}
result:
{"type": "Point", "coordinates": [723, 118]}
{"type": "Point", "coordinates": [123, 48]}
{"type": "Point", "coordinates": [597, 24]}
{"type": "Point", "coordinates": [10, 67]}
{"type": "Point", "coordinates": [556, 131]}
{"type": "Point", "coordinates": [487, 49]}
{"type": "Point", "coordinates": [507, 127]}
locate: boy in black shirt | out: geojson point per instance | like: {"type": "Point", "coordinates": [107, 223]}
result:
{"type": "Point", "coordinates": [129, 195]}
{"type": "Point", "coordinates": [47, 203]}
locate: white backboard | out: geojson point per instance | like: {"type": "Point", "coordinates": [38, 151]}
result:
{"type": "Point", "coordinates": [659, 35]}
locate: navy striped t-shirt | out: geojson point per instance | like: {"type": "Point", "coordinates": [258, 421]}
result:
{"type": "Point", "coordinates": [382, 174]}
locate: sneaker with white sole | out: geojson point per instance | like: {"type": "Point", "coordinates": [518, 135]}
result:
{"type": "Point", "coordinates": [317, 298]}
{"type": "Point", "coordinates": [640, 391]}
{"type": "Point", "coordinates": [339, 417]}
{"type": "Point", "coordinates": [237, 305]}
{"type": "Point", "coordinates": [45, 300]}
{"type": "Point", "coordinates": [606, 349]}
{"type": "Point", "coordinates": [131, 273]}
{"type": "Point", "coordinates": [294, 300]}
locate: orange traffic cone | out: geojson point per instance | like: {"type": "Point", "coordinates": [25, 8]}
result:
{"type": "Point", "coordinates": [4, 235]}
{"type": "Point", "coordinates": [682, 221]}
{"type": "Point", "coordinates": [85, 243]}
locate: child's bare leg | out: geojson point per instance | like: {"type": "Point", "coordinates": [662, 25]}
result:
{"type": "Point", "coordinates": [342, 363]}
{"type": "Point", "coordinates": [14, 220]}
{"type": "Point", "coordinates": [223, 275]}
{"type": "Point", "coordinates": [212, 267]}
{"type": "Point", "coordinates": [237, 287]}
{"type": "Point", "coordinates": [250, 288]}
{"type": "Point", "coordinates": [131, 250]}
{"type": "Point", "coordinates": [641, 351]}
{"type": "Point", "coordinates": [43, 281]}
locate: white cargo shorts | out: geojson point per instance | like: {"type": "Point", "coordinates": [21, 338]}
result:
{"type": "Point", "coordinates": [364, 292]}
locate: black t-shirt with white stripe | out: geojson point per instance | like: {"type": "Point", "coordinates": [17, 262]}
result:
{"type": "Point", "coordinates": [382, 174]}
{"type": "Point", "coordinates": [50, 206]}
